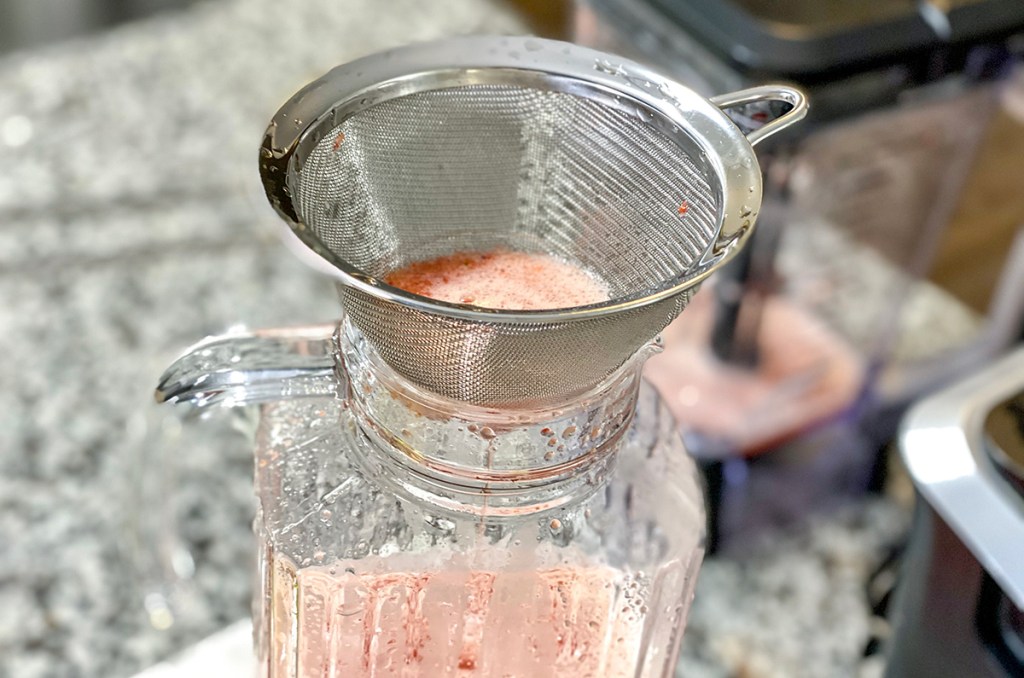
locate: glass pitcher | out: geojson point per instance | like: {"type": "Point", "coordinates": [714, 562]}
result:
{"type": "Point", "coordinates": [403, 533]}
{"type": "Point", "coordinates": [446, 490]}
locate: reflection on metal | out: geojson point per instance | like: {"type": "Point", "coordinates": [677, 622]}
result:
{"type": "Point", "coordinates": [944, 447]}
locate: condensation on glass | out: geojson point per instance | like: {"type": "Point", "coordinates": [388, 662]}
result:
{"type": "Point", "coordinates": [406, 535]}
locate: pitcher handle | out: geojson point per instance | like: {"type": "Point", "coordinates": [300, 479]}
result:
{"type": "Point", "coordinates": [235, 370]}
{"type": "Point", "coordinates": [229, 371]}
{"type": "Point", "coordinates": [790, 95]}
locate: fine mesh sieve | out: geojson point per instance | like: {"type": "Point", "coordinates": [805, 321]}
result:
{"type": "Point", "coordinates": [518, 144]}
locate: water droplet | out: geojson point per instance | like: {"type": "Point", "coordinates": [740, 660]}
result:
{"type": "Point", "coordinates": [666, 93]}
{"type": "Point", "coordinates": [569, 432]}
{"type": "Point", "coordinates": [325, 515]}
{"type": "Point", "coordinates": [533, 46]}
{"type": "Point", "coordinates": [549, 456]}
{"type": "Point", "coordinates": [439, 523]}
{"type": "Point", "coordinates": [352, 601]}
{"type": "Point", "coordinates": [555, 525]}
{"type": "Point", "coordinates": [487, 433]}
{"type": "Point", "coordinates": [606, 66]}
{"type": "Point", "coordinates": [546, 432]}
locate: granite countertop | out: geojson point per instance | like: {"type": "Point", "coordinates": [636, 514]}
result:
{"type": "Point", "coordinates": [131, 224]}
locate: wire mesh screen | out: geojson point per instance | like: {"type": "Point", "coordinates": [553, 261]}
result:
{"type": "Point", "coordinates": [486, 166]}
{"type": "Point", "coordinates": [481, 167]}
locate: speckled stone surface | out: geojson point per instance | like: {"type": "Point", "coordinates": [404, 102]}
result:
{"type": "Point", "coordinates": [796, 605]}
{"type": "Point", "coordinates": [131, 224]}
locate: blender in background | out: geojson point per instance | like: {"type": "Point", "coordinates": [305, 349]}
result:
{"type": "Point", "coordinates": [790, 378]}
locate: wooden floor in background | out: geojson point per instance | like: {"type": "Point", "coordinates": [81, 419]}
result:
{"type": "Point", "coordinates": [988, 217]}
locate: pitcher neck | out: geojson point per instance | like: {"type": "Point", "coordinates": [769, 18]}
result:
{"type": "Point", "coordinates": [489, 461]}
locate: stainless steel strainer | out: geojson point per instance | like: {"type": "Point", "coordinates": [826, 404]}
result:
{"type": "Point", "coordinates": [522, 144]}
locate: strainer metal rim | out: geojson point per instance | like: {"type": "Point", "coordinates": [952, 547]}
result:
{"type": "Point", "coordinates": [349, 88]}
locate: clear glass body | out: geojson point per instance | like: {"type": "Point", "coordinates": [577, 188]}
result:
{"type": "Point", "coordinates": [405, 535]}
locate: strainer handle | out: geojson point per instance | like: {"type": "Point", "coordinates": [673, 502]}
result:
{"type": "Point", "coordinates": [791, 95]}
{"type": "Point", "coordinates": [241, 369]}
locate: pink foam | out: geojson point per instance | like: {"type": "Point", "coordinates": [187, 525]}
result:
{"type": "Point", "coordinates": [501, 279]}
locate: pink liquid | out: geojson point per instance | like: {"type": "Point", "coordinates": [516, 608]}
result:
{"type": "Point", "coordinates": [805, 374]}
{"type": "Point", "coordinates": [557, 623]}
{"type": "Point", "coordinates": [501, 279]}
{"type": "Point", "coordinates": [402, 617]}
